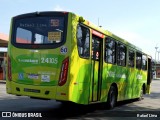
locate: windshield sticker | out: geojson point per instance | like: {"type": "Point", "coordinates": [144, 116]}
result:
{"type": "Point", "coordinates": [54, 22]}
{"type": "Point", "coordinates": [45, 78]}
{"type": "Point", "coordinates": [54, 36]}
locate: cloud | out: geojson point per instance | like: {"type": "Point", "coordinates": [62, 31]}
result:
{"type": "Point", "coordinates": [59, 8]}
{"type": "Point", "coordinates": [129, 36]}
{"type": "Point", "coordinates": [138, 40]}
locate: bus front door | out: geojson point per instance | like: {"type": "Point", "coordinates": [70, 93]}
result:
{"type": "Point", "coordinates": [96, 69]}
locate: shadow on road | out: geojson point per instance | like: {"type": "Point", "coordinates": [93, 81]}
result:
{"type": "Point", "coordinates": [95, 110]}
{"type": "Point", "coordinates": [56, 110]}
{"type": "Point", "coordinates": [153, 95]}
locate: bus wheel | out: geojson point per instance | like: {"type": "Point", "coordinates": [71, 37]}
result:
{"type": "Point", "coordinates": [141, 94]}
{"type": "Point", "coordinates": [112, 97]}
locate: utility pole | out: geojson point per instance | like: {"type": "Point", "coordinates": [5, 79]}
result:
{"type": "Point", "coordinates": [158, 55]}
{"type": "Point", "coordinates": [98, 23]}
{"type": "Point", "coordinates": [156, 62]}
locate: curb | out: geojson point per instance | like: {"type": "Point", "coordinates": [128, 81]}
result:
{"type": "Point", "coordinates": [3, 81]}
{"type": "Point", "coordinates": [156, 79]}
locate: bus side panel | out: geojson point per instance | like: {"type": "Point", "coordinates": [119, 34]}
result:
{"type": "Point", "coordinates": [131, 81]}
{"type": "Point", "coordinates": [135, 80]}
{"type": "Point", "coordinates": [63, 92]}
{"type": "Point", "coordinates": [141, 78]}
{"type": "Point", "coordinates": [107, 78]}
{"type": "Point", "coordinates": [83, 79]}
{"type": "Point", "coordinates": [79, 75]}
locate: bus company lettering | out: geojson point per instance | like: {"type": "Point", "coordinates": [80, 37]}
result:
{"type": "Point", "coordinates": [113, 74]}
{"type": "Point", "coordinates": [42, 60]}
{"type": "Point", "coordinates": [28, 60]}
{"type": "Point", "coordinates": [139, 77]}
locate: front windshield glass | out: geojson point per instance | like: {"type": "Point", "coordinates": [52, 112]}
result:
{"type": "Point", "coordinates": [39, 30]}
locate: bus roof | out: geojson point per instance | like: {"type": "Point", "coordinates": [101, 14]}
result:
{"type": "Point", "coordinates": [89, 24]}
{"type": "Point", "coordinates": [108, 33]}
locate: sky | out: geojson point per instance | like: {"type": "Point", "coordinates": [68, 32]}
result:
{"type": "Point", "coordinates": [137, 21]}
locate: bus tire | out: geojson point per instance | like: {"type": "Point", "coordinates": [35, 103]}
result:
{"type": "Point", "coordinates": [112, 98]}
{"type": "Point", "coordinates": [141, 94]}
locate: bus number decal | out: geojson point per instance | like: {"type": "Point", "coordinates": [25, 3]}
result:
{"type": "Point", "coordinates": [49, 60]}
{"type": "Point", "coordinates": [64, 50]}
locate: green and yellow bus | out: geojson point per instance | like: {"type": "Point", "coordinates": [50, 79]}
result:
{"type": "Point", "coordinates": [62, 56]}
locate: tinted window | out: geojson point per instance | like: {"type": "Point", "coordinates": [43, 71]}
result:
{"type": "Point", "coordinates": [110, 50]}
{"type": "Point", "coordinates": [23, 36]}
{"type": "Point", "coordinates": [96, 50]}
{"type": "Point", "coordinates": [83, 41]}
{"type": "Point", "coordinates": [138, 60]}
{"type": "Point", "coordinates": [39, 30]}
{"type": "Point", "coordinates": [144, 62]}
{"type": "Point", "coordinates": [131, 58]}
{"type": "Point", "coordinates": [121, 54]}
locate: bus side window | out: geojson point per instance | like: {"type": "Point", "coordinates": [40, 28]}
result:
{"type": "Point", "coordinates": [110, 50]}
{"type": "Point", "coordinates": [131, 58]}
{"type": "Point", "coordinates": [138, 60]}
{"type": "Point", "coordinates": [121, 54]}
{"type": "Point", "coordinates": [83, 41]}
{"type": "Point", "coordinates": [144, 62]}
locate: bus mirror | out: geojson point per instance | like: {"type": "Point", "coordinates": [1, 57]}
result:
{"type": "Point", "coordinates": [81, 19]}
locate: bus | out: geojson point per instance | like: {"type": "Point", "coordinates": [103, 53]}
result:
{"type": "Point", "coordinates": [64, 57]}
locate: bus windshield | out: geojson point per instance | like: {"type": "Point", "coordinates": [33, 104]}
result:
{"type": "Point", "coordinates": [39, 30]}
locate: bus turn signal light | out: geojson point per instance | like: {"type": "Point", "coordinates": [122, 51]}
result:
{"type": "Point", "coordinates": [64, 72]}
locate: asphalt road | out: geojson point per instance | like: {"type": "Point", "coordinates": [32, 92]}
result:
{"type": "Point", "coordinates": [148, 108]}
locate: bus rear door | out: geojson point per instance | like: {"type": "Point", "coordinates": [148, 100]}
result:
{"type": "Point", "coordinates": [96, 68]}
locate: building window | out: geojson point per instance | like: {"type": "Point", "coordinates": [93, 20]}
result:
{"type": "Point", "coordinates": [83, 41]}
